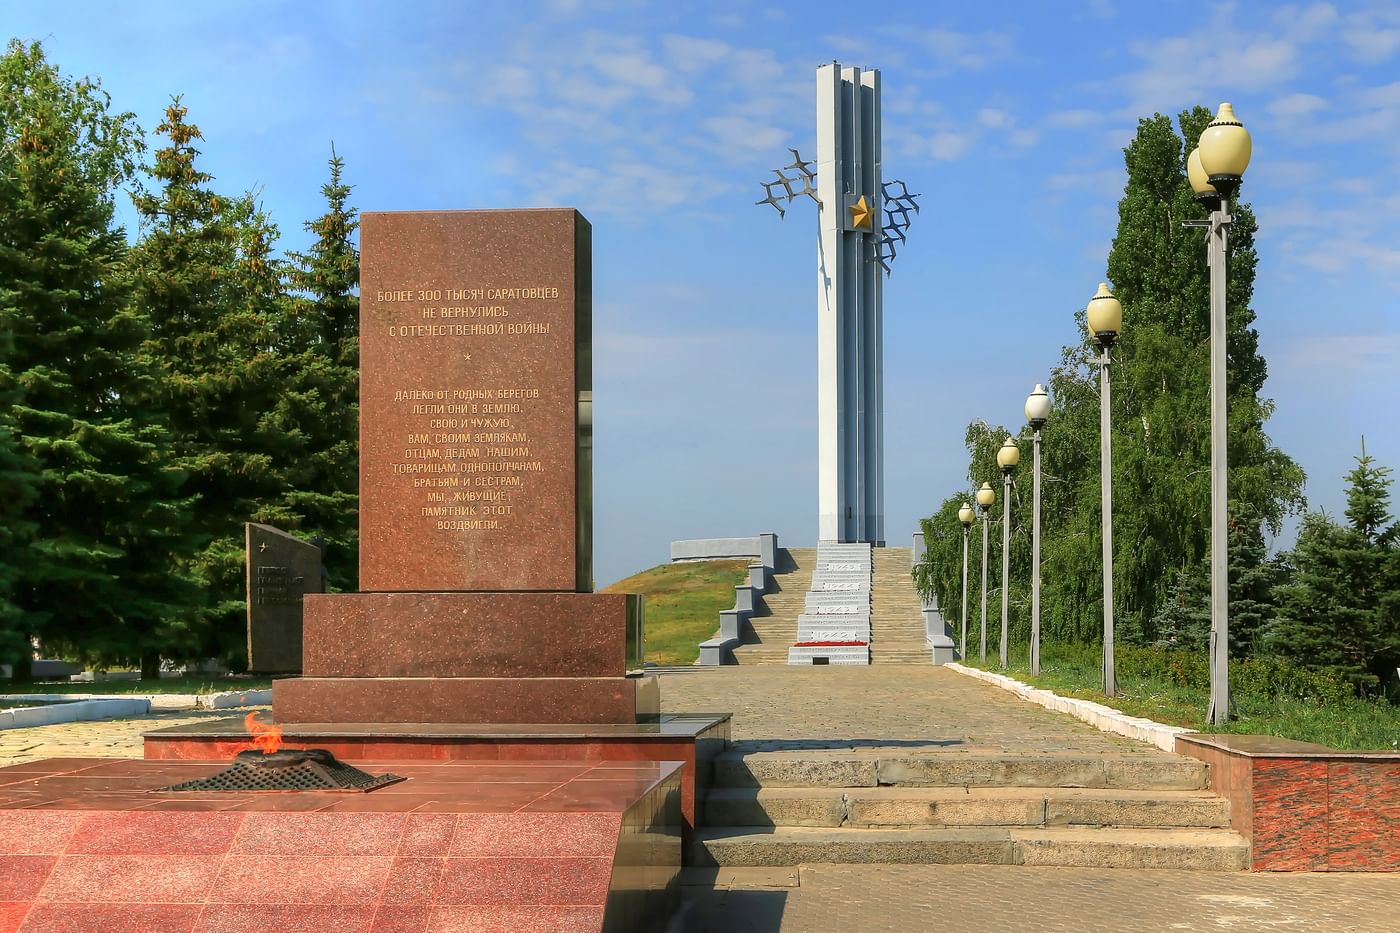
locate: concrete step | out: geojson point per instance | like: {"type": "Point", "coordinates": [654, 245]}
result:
{"type": "Point", "coordinates": [910, 807]}
{"type": "Point", "coordinates": [957, 769]}
{"type": "Point", "coordinates": [1198, 850]}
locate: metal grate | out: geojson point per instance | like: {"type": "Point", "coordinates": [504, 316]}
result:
{"type": "Point", "coordinates": [290, 769]}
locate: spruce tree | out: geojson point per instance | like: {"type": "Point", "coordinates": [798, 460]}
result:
{"type": "Point", "coordinates": [321, 403]}
{"type": "Point", "coordinates": [1340, 611]}
{"type": "Point", "coordinates": [205, 277]}
{"type": "Point", "coordinates": [107, 508]}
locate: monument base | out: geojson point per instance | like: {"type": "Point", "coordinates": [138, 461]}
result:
{"type": "Point", "coordinates": [95, 844]}
{"type": "Point", "coordinates": [466, 699]}
{"type": "Point", "coordinates": [693, 740]}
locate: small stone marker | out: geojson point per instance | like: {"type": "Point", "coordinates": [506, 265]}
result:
{"type": "Point", "coordinates": [281, 570]}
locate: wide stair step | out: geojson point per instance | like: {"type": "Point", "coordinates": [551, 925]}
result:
{"type": "Point", "coordinates": [932, 807]}
{"type": "Point", "coordinates": [1199, 850]}
{"type": "Point", "coordinates": [773, 769]}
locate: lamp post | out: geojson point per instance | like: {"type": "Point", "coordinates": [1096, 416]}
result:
{"type": "Point", "coordinates": [1007, 457]}
{"type": "Point", "coordinates": [965, 515]}
{"type": "Point", "coordinates": [1037, 413]}
{"type": "Point", "coordinates": [985, 497]}
{"type": "Point", "coordinates": [1215, 169]}
{"type": "Point", "coordinates": [1105, 317]}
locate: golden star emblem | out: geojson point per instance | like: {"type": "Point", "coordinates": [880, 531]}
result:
{"type": "Point", "coordinates": [861, 214]}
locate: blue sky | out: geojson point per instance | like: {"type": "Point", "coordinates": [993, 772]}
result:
{"type": "Point", "coordinates": [657, 120]}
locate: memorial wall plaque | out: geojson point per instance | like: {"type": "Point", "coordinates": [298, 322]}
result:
{"type": "Point", "coordinates": [282, 569]}
{"type": "Point", "coordinates": [475, 401]}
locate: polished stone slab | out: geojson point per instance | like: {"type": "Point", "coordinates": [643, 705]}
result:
{"type": "Point", "coordinates": [475, 400]}
{"type": "Point", "coordinates": [473, 635]}
{"type": "Point", "coordinates": [92, 844]}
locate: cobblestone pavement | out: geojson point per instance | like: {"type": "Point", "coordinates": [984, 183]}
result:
{"type": "Point", "coordinates": [105, 738]}
{"type": "Point", "coordinates": [913, 707]}
{"type": "Point", "coordinates": [984, 898]}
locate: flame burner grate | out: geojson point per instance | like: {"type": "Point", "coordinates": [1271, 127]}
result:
{"type": "Point", "coordinates": [290, 769]}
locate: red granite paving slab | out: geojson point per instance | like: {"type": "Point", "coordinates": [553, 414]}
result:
{"type": "Point", "coordinates": [35, 833]}
{"type": "Point", "coordinates": [346, 880]}
{"type": "Point", "coordinates": [131, 879]}
{"type": "Point", "coordinates": [503, 797]}
{"type": "Point", "coordinates": [427, 834]}
{"type": "Point", "coordinates": [401, 918]}
{"type": "Point", "coordinates": [111, 918]}
{"type": "Point", "coordinates": [145, 832]}
{"type": "Point", "coordinates": [284, 918]}
{"type": "Point", "coordinates": [525, 881]}
{"type": "Point", "coordinates": [12, 915]}
{"type": "Point", "coordinates": [379, 803]}
{"type": "Point", "coordinates": [24, 875]}
{"type": "Point", "coordinates": [1364, 815]}
{"type": "Point", "coordinates": [198, 750]}
{"type": "Point", "coordinates": [52, 766]}
{"type": "Point", "coordinates": [1290, 815]}
{"type": "Point", "coordinates": [319, 834]}
{"type": "Point", "coordinates": [194, 805]}
{"type": "Point", "coordinates": [413, 881]}
{"type": "Point", "coordinates": [88, 786]}
{"type": "Point", "coordinates": [588, 796]}
{"type": "Point", "coordinates": [291, 802]}
{"type": "Point", "coordinates": [494, 772]}
{"type": "Point", "coordinates": [538, 835]}
{"type": "Point", "coordinates": [508, 919]}
{"type": "Point", "coordinates": [134, 801]}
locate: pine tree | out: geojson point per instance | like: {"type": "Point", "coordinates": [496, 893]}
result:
{"type": "Point", "coordinates": [106, 507]}
{"type": "Point", "coordinates": [322, 404]}
{"type": "Point", "coordinates": [205, 276]}
{"type": "Point", "coordinates": [1340, 611]}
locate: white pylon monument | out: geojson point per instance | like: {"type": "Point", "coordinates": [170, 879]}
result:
{"type": "Point", "coordinates": [853, 248]}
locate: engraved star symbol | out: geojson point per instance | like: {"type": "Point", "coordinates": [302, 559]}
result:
{"type": "Point", "coordinates": [861, 214]}
{"type": "Point", "coordinates": [467, 357]}
{"type": "Point", "coordinates": [263, 546]}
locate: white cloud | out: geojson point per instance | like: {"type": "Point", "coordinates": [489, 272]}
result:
{"type": "Point", "coordinates": [1373, 35]}
{"type": "Point", "coordinates": [994, 118]}
{"type": "Point", "coordinates": [1072, 119]}
{"type": "Point", "coordinates": [950, 146]}
{"type": "Point", "coordinates": [956, 51]}
{"type": "Point", "coordinates": [1291, 106]}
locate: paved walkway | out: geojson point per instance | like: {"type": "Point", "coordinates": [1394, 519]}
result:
{"type": "Point", "coordinates": [914, 709]}
{"type": "Point", "coordinates": [911, 707]}
{"type": "Point", "coordinates": [996, 898]}
{"type": "Point", "coordinates": [106, 738]}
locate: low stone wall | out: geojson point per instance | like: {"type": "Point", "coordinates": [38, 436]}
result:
{"type": "Point", "coordinates": [1305, 807]}
{"type": "Point", "coordinates": [1096, 714]}
{"type": "Point", "coordinates": [748, 597]}
{"type": "Point", "coordinates": [763, 547]}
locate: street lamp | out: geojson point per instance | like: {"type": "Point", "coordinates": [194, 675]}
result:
{"type": "Point", "coordinates": [1037, 413]}
{"type": "Point", "coordinates": [1105, 317]}
{"type": "Point", "coordinates": [985, 497]}
{"type": "Point", "coordinates": [965, 515]}
{"type": "Point", "coordinates": [1007, 457]}
{"type": "Point", "coordinates": [1215, 169]}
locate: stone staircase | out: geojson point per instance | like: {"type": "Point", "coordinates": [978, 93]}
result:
{"type": "Point", "coordinates": [785, 808]}
{"type": "Point", "coordinates": [896, 622]}
{"type": "Point", "coordinates": [774, 632]}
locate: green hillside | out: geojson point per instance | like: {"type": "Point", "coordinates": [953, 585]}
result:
{"type": "Point", "coordinates": [682, 604]}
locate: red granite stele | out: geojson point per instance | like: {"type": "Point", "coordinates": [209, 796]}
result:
{"type": "Point", "coordinates": [88, 844]}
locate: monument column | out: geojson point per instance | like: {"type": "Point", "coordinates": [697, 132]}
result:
{"type": "Point", "coordinates": [850, 352]}
{"type": "Point", "coordinates": [476, 496]}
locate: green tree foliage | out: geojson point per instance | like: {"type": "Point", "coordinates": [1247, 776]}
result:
{"type": "Point", "coordinates": [106, 505]}
{"type": "Point", "coordinates": [205, 276]}
{"type": "Point", "coordinates": [321, 404]}
{"type": "Point", "coordinates": [1340, 612]}
{"type": "Point", "coordinates": [1160, 424]}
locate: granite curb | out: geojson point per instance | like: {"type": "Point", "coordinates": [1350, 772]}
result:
{"type": "Point", "coordinates": [1102, 717]}
{"type": "Point", "coordinates": [85, 708]}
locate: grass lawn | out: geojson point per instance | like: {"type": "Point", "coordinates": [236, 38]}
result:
{"type": "Point", "coordinates": [682, 604]}
{"type": "Point", "coordinates": [205, 684]}
{"type": "Point", "coordinates": [1343, 723]}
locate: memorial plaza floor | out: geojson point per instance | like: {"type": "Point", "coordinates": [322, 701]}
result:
{"type": "Point", "coordinates": [920, 710]}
